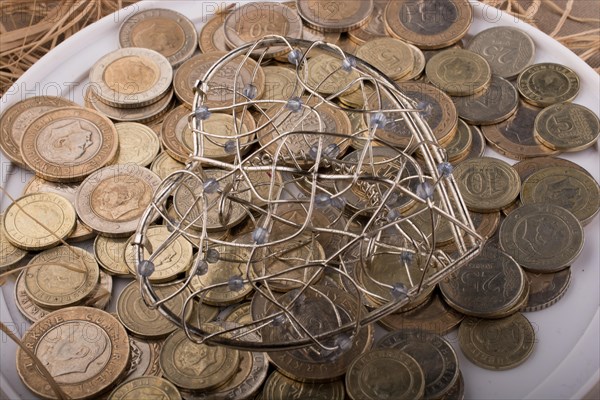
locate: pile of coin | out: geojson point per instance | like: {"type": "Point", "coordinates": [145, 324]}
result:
{"type": "Point", "coordinates": [92, 182]}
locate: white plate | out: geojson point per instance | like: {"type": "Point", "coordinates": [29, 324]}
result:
{"type": "Point", "coordinates": [565, 361]}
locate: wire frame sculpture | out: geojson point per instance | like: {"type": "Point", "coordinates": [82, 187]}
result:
{"type": "Point", "coordinates": [319, 209]}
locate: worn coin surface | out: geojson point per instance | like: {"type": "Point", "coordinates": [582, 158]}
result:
{"type": "Point", "coordinates": [374, 28]}
{"type": "Point", "coordinates": [112, 200]}
{"type": "Point", "coordinates": [459, 72]}
{"type": "Point", "coordinates": [39, 221]}
{"type": "Point", "coordinates": [385, 374]}
{"type": "Point", "coordinates": [138, 144]}
{"type": "Point", "coordinates": [110, 254]}
{"type": "Point", "coordinates": [194, 366]}
{"type": "Point", "coordinates": [9, 254]}
{"type": "Point", "coordinates": [164, 165]}
{"type": "Point", "coordinates": [514, 137]}
{"type": "Point", "coordinates": [428, 25]}
{"type": "Point", "coordinates": [325, 75]}
{"type": "Point", "coordinates": [391, 56]}
{"type": "Point", "coordinates": [546, 289]}
{"type": "Point", "coordinates": [478, 143]}
{"type": "Point", "coordinates": [26, 306]}
{"type": "Point", "coordinates": [508, 50]}
{"type": "Point", "coordinates": [418, 64]}
{"type": "Point", "coordinates": [61, 277]}
{"type": "Point", "coordinates": [84, 365]}
{"type": "Point", "coordinates": [69, 143]}
{"type": "Point", "coordinates": [457, 149]}
{"type": "Point", "coordinates": [547, 83]}
{"type": "Point", "coordinates": [14, 121]}
{"type": "Point", "coordinates": [280, 84]}
{"type": "Point", "coordinates": [490, 106]}
{"type": "Point", "coordinates": [542, 237]}
{"type": "Point", "coordinates": [336, 15]}
{"type": "Point", "coordinates": [487, 184]}
{"type": "Point", "coordinates": [212, 34]}
{"type": "Point", "coordinates": [490, 284]}
{"type": "Point", "coordinates": [131, 77]}
{"type": "Point", "coordinates": [432, 352]}
{"type": "Point", "coordinates": [567, 127]}
{"type": "Point", "coordinates": [280, 387]}
{"type": "Point", "coordinates": [567, 187]}
{"type": "Point", "coordinates": [146, 387]}
{"type": "Point", "coordinates": [166, 31]}
{"type": "Point", "coordinates": [498, 344]}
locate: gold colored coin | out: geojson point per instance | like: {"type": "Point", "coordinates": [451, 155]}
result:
{"type": "Point", "coordinates": [15, 120]}
{"type": "Point", "coordinates": [146, 387]}
{"type": "Point", "coordinates": [69, 143]}
{"type": "Point", "coordinates": [145, 322]}
{"type": "Point", "coordinates": [110, 254]}
{"type": "Point", "coordinates": [542, 237]}
{"type": "Point", "coordinates": [280, 387]}
{"type": "Point", "coordinates": [9, 254]}
{"type": "Point", "coordinates": [391, 56]}
{"type": "Point", "coordinates": [478, 143]}
{"type": "Point", "coordinates": [428, 25]}
{"type": "Point", "coordinates": [145, 358]}
{"type": "Point", "coordinates": [335, 16]}
{"type": "Point", "coordinates": [418, 64]}
{"type": "Point", "coordinates": [487, 184]}
{"type": "Point", "coordinates": [458, 148]}
{"type": "Point", "coordinates": [138, 144]}
{"type": "Point", "coordinates": [546, 289]}
{"type": "Point", "coordinates": [385, 373]}
{"type": "Point", "coordinates": [326, 76]}
{"type": "Point", "coordinates": [459, 72]}
{"type": "Point", "coordinates": [194, 366]}
{"type": "Point", "coordinates": [280, 84]}
{"type": "Point", "coordinates": [83, 367]}
{"type": "Point", "coordinates": [547, 83]}
{"type": "Point", "coordinates": [220, 91]}
{"type": "Point", "coordinates": [374, 28]}
{"type": "Point", "coordinates": [26, 306]}
{"type": "Point", "coordinates": [172, 260]}
{"type": "Point", "coordinates": [131, 77]}
{"type": "Point", "coordinates": [112, 200]}
{"type": "Point", "coordinates": [69, 192]}
{"type": "Point", "coordinates": [166, 31]}
{"type": "Point", "coordinates": [240, 314]}
{"type": "Point", "coordinates": [567, 127]}
{"type": "Point", "coordinates": [498, 344]}
{"type": "Point", "coordinates": [251, 22]}
{"type": "Point", "coordinates": [491, 106]}
{"type": "Point", "coordinates": [21, 226]}
{"type": "Point", "coordinates": [570, 188]}
{"type": "Point", "coordinates": [61, 277]}
{"type": "Point", "coordinates": [212, 34]}
{"type": "Point", "coordinates": [164, 165]}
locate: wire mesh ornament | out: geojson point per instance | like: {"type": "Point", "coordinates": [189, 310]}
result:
{"type": "Point", "coordinates": [349, 236]}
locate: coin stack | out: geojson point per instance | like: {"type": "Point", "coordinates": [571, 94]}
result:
{"type": "Point", "coordinates": [92, 182]}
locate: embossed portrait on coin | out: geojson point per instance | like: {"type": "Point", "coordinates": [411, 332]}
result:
{"type": "Point", "coordinates": [428, 17]}
{"type": "Point", "coordinates": [130, 75]}
{"type": "Point", "coordinates": [383, 385]}
{"type": "Point", "coordinates": [121, 200]}
{"type": "Point", "coordinates": [159, 34]}
{"type": "Point", "coordinates": [74, 351]}
{"type": "Point", "coordinates": [519, 128]}
{"type": "Point", "coordinates": [68, 142]}
{"type": "Point", "coordinates": [196, 360]}
{"type": "Point", "coordinates": [542, 236]}
{"type": "Point", "coordinates": [549, 83]}
{"type": "Point", "coordinates": [58, 280]}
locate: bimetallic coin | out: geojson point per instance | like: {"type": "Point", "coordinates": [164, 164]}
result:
{"type": "Point", "coordinates": [508, 50]}
{"type": "Point", "coordinates": [498, 344]}
{"type": "Point", "coordinates": [514, 137]}
{"type": "Point", "coordinates": [166, 31]}
{"type": "Point", "coordinates": [567, 127]}
{"type": "Point", "coordinates": [457, 391]}
{"type": "Point", "coordinates": [385, 373]}
{"type": "Point", "coordinates": [138, 144]}
{"type": "Point", "coordinates": [61, 277]}
{"type": "Point", "coordinates": [212, 34]}
{"type": "Point", "coordinates": [39, 221]}
{"type": "Point", "coordinates": [145, 322]}
{"type": "Point", "coordinates": [251, 22]}
{"type": "Point", "coordinates": [112, 200]}
{"type": "Point", "coordinates": [83, 366]}
{"type": "Point", "coordinates": [374, 28]}
{"type": "Point", "coordinates": [570, 188]}
{"type": "Point", "coordinates": [220, 91]}
{"type": "Point", "coordinates": [145, 356]}
{"type": "Point", "coordinates": [546, 289]}
{"type": "Point", "coordinates": [457, 149]}
{"type": "Point", "coordinates": [459, 72]}
{"type": "Point", "coordinates": [489, 285]}
{"type": "Point", "coordinates": [545, 84]}
{"type": "Point", "coordinates": [194, 366]}
{"type": "Point", "coordinates": [69, 143]}
{"type": "Point", "coordinates": [487, 184]}
{"type": "Point", "coordinates": [173, 259]}
{"type": "Point", "coordinates": [490, 106]}
{"type": "Point", "coordinates": [542, 237]}
{"type": "Point", "coordinates": [9, 254]}
{"type": "Point", "coordinates": [146, 387]}
{"type": "Point", "coordinates": [164, 165]}
{"type": "Point", "coordinates": [131, 77]}
{"type": "Point", "coordinates": [432, 352]}
{"type": "Point", "coordinates": [428, 25]}
{"type": "Point", "coordinates": [110, 254]}
{"type": "Point", "coordinates": [15, 120]}
{"type": "Point", "coordinates": [391, 56]}
{"type": "Point", "coordinates": [336, 15]}
{"type": "Point", "coordinates": [280, 387]}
